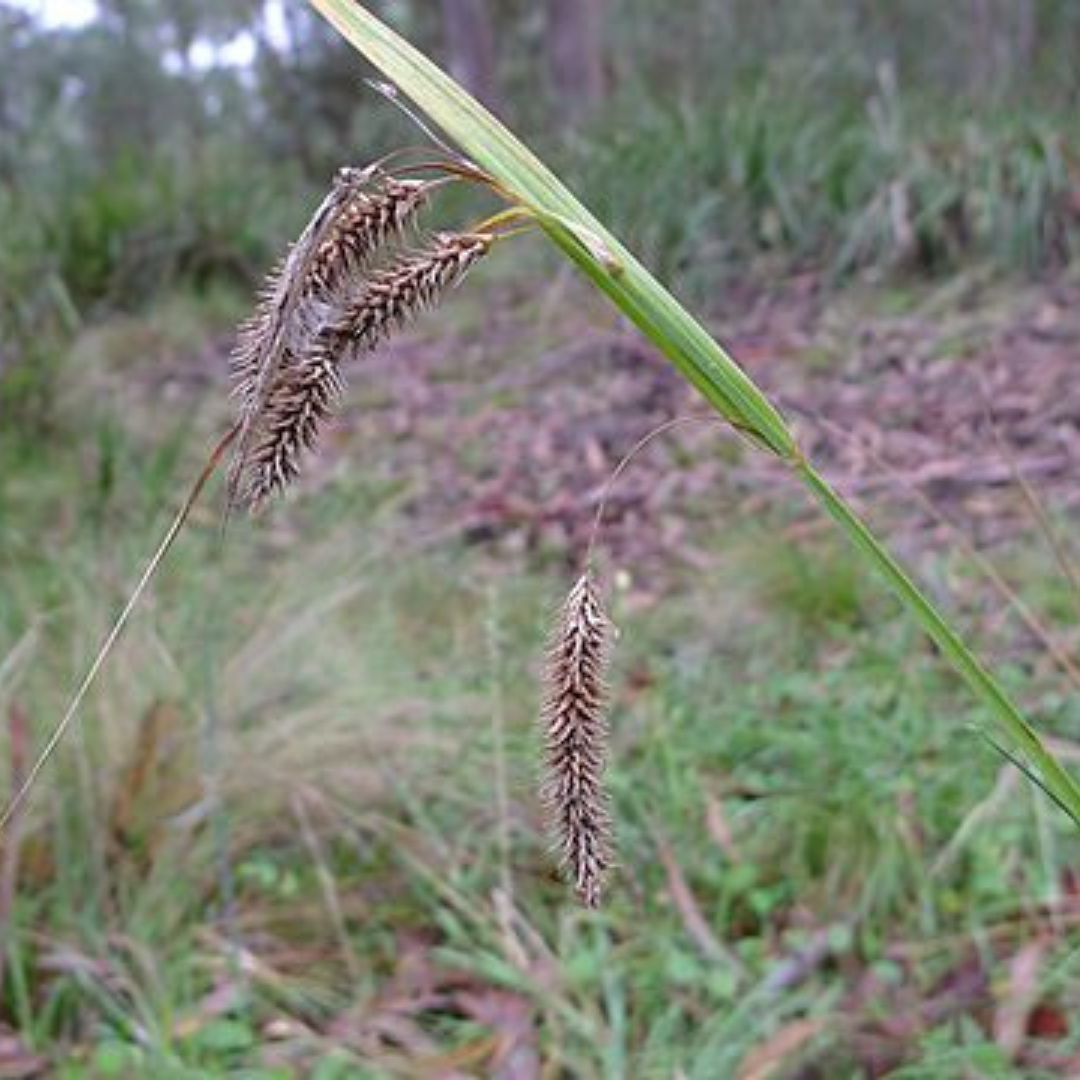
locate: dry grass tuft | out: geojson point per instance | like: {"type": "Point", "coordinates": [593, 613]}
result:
{"type": "Point", "coordinates": [575, 740]}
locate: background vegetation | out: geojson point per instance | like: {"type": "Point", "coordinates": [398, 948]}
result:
{"type": "Point", "coordinates": [295, 833]}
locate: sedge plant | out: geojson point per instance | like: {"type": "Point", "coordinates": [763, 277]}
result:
{"type": "Point", "coordinates": [362, 269]}
{"type": "Point", "coordinates": [529, 185]}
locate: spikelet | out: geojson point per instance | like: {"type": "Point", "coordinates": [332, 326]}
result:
{"type": "Point", "coordinates": [575, 740]}
{"type": "Point", "coordinates": [252, 337]}
{"type": "Point", "coordinates": [277, 330]}
{"type": "Point", "coordinates": [362, 229]}
{"type": "Point", "coordinates": [285, 376]}
{"type": "Point", "coordinates": [416, 282]}
{"type": "Point", "coordinates": [308, 382]}
{"type": "Point", "coordinates": [298, 407]}
{"type": "Point", "coordinates": [279, 318]}
{"type": "Point", "coordinates": [356, 226]}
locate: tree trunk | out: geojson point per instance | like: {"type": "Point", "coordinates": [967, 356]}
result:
{"type": "Point", "coordinates": [982, 69]}
{"type": "Point", "coordinates": [575, 55]}
{"type": "Point", "coordinates": [1004, 36]}
{"type": "Point", "coordinates": [1027, 35]}
{"type": "Point", "coordinates": [470, 46]}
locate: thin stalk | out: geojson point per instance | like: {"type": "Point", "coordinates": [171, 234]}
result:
{"type": "Point", "coordinates": [117, 629]}
{"type": "Point", "coordinates": [621, 467]}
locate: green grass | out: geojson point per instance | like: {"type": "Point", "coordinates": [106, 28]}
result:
{"type": "Point", "coordinates": [896, 185]}
{"type": "Point", "coordinates": [327, 666]}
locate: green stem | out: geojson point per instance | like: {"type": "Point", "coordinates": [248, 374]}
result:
{"type": "Point", "coordinates": [1060, 783]}
{"type": "Point", "coordinates": [527, 181]}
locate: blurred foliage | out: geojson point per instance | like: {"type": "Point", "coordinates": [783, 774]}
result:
{"type": "Point", "coordinates": [778, 780]}
{"type": "Point", "coordinates": [986, 51]}
{"type": "Point", "coordinates": [180, 143]}
{"type": "Point", "coordinates": [890, 185]}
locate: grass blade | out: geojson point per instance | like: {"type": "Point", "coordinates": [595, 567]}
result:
{"type": "Point", "coordinates": [580, 235]}
{"type": "Point", "coordinates": [613, 269]}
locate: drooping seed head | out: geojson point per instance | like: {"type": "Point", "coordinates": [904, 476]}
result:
{"type": "Point", "coordinates": [308, 381]}
{"type": "Point", "coordinates": [281, 317]}
{"type": "Point", "coordinates": [297, 409]}
{"type": "Point", "coordinates": [363, 228]}
{"type": "Point", "coordinates": [278, 329]}
{"type": "Point", "coordinates": [252, 337]}
{"type": "Point", "coordinates": [574, 719]}
{"type": "Point", "coordinates": [396, 294]}
{"type": "Point", "coordinates": [312, 315]}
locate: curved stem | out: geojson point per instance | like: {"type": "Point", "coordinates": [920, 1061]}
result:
{"type": "Point", "coordinates": [624, 462]}
{"type": "Point", "coordinates": [61, 729]}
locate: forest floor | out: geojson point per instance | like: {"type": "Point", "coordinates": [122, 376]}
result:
{"type": "Point", "coordinates": [962, 401]}
{"type": "Point", "coordinates": [296, 832]}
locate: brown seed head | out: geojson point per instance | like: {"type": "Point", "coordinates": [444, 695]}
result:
{"type": "Point", "coordinates": [297, 409]}
{"type": "Point", "coordinates": [267, 342]}
{"type": "Point", "coordinates": [393, 296]}
{"type": "Point", "coordinates": [288, 355]}
{"type": "Point", "coordinates": [575, 740]}
{"type": "Point", "coordinates": [362, 229]}
{"type": "Point", "coordinates": [252, 338]}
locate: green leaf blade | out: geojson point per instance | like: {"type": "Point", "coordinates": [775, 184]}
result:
{"type": "Point", "coordinates": [636, 292]}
